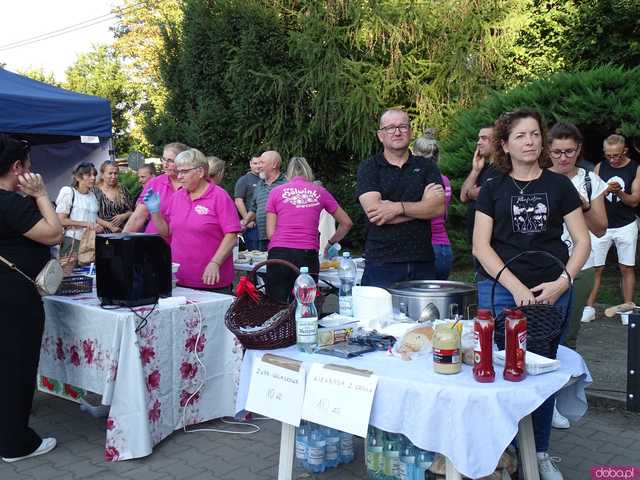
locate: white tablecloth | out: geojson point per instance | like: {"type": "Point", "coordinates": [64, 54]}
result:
{"type": "Point", "coordinates": [146, 377]}
{"type": "Point", "coordinates": [469, 422]}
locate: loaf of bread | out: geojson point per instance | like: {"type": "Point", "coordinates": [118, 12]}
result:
{"type": "Point", "coordinates": [414, 341]}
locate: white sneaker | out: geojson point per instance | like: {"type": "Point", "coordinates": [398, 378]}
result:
{"type": "Point", "coordinates": [46, 446]}
{"type": "Point", "coordinates": [559, 420]}
{"type": "Point", "coordinates": [588, 314]}
{"type": "Point", "coordinates": [547, 468]}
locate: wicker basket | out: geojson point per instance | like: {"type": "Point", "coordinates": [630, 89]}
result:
{"type": "Point", "coordinates": [75, 284]}
{"type": "Point", "coordinates": [545, 323]}
{"type": "Point", "coordinates": [247, 313]}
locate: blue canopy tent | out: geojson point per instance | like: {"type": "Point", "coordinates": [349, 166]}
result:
{"type": "Point", "coordinates": [64, 127]}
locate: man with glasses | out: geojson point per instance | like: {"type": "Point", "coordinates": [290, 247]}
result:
{"type": "Point", "coordinates": [165, 185]}
{"type": "Point", "coordinates": [400, 193]}
{"type": "Point", "coordinates": [621, 198]}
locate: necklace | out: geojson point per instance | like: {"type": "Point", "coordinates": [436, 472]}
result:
{"type": "Point", "coordinates": [522, 189]}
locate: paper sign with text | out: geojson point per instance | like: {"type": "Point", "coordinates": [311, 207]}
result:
{"type": "Point", "coordinates": [276, 392]}
{"type": "Point", "coordinates": [339, 398]}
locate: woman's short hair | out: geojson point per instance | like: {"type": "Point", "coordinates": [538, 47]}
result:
{"type": "Point", "coordinates": [563, 131]}
{"type": "Point", "coordinates": [216, 168]}
{"type": "Point", "coordinates": [176, 147]}
{"type": "Point", "coordinates": [12, 150]}
{"type": "Point", "coordinates": [299, 167]}
{"type": "Point", "coordinates": [80, 170]}
{"type": "Point", "coordinates": [193, 158]}
{"type": "Point", "coordinates": [614, 139]}
{"type": "Point", "coordinates": [149, 167]}
{"type": "Point", "coordinates": [426, 145]}
{"type": "Point", "coordinates": [502, 129]}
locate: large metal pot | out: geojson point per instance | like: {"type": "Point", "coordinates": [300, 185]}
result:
{"type": "Point", "coordinates": [424, 300]}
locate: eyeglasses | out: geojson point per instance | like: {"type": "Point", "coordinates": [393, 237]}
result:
{"type": "Point", "coordinates": [184, 171]}
{"type": "Point", "coordinates": [165, 159]}
{"type": "Point", "coordinates": [391, 129]}
{"type": "Point", "coordinates": [619, 156]}
{"type": "Point", "coordinates": [26, 146]}
{"type": "Point", "coordinates": [569, 153]}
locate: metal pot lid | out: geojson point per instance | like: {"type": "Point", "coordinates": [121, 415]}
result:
{"type": "Point", "coordinates": [431, 288]}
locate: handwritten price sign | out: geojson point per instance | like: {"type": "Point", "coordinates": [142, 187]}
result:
{"type": "Point", "coordinates": [339, 398]}
{"type": "Point", "coordinates": [276, 392]}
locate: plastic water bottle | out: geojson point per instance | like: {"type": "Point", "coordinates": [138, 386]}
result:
{"type": "Point", "coordinates": [333, 251]}
{"type": "Point", "coordinates": [347, 275]}
{"type": "Point", "coordinates": [407, 470]}
{"type": "Point", "coordinates": [424, 460]}
{"type": "Point", "coordinates": [391, 457]}
{"type": "Point", "coordinates": [333, 448]}
{"type": "Point", "coordinates": [316, 451]}
{"type": "Point", "coordinates": [302, 440]}
{"type": "Point", "coordinates": [346, 448]}
{"type": "Point", "coordinates": [374, 454]}
{"type": "Point", "coordinates": [306, 313]}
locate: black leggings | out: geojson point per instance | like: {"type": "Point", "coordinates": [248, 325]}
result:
{"type": "Point", "coordinates": [280, 279]}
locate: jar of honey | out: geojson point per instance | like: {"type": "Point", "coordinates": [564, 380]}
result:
{"type": "Point", "coordinates": [446, 350]}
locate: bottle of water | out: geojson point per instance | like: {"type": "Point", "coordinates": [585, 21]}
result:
{"type": "Point", "coordinates": [374, 454]}
{"type": "Point", "coordinates": [316, 451]}
{"type": "Point", "coordinates": [424, 460]}
{"type": "Point", "coordinates": [333, 448]}
{"type": "Point", "coordinates": [306, 313]}
{"type": "Point", "coordinates": [347, 275]}
{"type": "Point", "coordinates": [407, 463]}
{"type": "Point", "coordinates": [333, 251]}
{"type": "Point", "coordinates": [391, 457]}
{"type": "Point", "coordinates": [302, 440]}
{"type": "Point", "coordinates": [346, 448]}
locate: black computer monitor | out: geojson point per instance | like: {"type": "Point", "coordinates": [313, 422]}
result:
{"type": "Point", "coordinates": [132, 269]}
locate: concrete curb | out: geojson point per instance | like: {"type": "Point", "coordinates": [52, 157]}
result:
{"type": "Point", "coordinates": [599, 399]}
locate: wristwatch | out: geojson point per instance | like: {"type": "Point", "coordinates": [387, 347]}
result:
{"type": "Point", "coordinates": [566, 276]}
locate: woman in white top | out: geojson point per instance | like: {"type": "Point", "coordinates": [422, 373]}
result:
{"type": "Point", "coordinates": [564, 150]}
{"type": "Point", "coordinates": [77, 207]}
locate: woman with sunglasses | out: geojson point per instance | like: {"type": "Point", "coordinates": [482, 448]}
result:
{"type": "Point", "coordinates": [202, 224]}
{"type": "Point", "coordinates": [525, 208]}
{"type": "Point", "coordinates": [564, 150]}
{"type": "Point", "coordinates": [77, 208]}
{"type": "Point", "coordinates": [28, 227]}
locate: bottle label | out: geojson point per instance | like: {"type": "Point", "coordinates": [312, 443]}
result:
{"type": "Point", "coordinates": [316, 455]}
{"type": "Point", "coordinates": [391, 464]}
{"type": "Point", "coordinates": [405, 471]}
{"type": "Point", "coordinates": [301, 449]}
{"type": "Point", "coordinates": [307, 329]}
{"type": "Point", "coordinates": [522, 340]}
{"type": "Point", "coordinates": [332, 451]}
{"type": "Point", "coordinates": [443, 355]}
{"type": "Point", "coordinates": [345, 305]}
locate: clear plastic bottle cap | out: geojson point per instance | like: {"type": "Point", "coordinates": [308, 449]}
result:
{"type": "Point", "coordinates": [346, 254]}
{"type": "Point", "coordinates": [304, 269]}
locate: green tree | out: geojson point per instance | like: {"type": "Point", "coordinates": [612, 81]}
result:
{"type": "Point", "coordinates": [99, 72]}
{"type": "Point", "coordinates": [40, 75]}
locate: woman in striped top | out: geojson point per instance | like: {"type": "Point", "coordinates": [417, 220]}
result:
{"type": "Point", "coordinates": [114, 202]}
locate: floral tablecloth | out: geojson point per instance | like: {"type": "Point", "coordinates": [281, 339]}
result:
{"type": "Point", "coordinates": [150, 378]}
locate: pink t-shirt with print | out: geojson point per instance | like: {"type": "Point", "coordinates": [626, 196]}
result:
{"type": "Point", "coordinates": [298, 204]}
{"type": "Point", "coordinates": [162, 186]}
{"type": "Point", "coordinates": [197, 228]}
{"type": "Point", "coordinates": [438, 232]}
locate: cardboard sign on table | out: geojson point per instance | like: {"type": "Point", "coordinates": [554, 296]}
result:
{"type": "Point", "coordinates": [339, 397]}
{"type": "Point", "coordinates": [276, 389]}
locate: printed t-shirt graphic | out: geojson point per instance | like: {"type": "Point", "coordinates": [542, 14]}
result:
{"type": "Point", "coordinates": [529, 212]}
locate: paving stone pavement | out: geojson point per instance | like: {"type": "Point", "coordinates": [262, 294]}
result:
{"type": "Point", "coordinates": [605, 435]}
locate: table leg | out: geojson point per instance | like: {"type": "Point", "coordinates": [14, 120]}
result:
{"type": "Point", "coordinates": [527, 447]}
{"type": "Point", "coordinates": [287, 448]}
{"type": "Point", "coordinates": [450, 471]}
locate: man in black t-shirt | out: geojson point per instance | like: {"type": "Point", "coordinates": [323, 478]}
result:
{"type": "Point", "coordinates": [243, 197]}
{"type": "Point", "coordinates": [481, 171]}
{"type": "Point", "coordinates": [399, 193]}
{"type": "Point", "coordinates": [621, 198]}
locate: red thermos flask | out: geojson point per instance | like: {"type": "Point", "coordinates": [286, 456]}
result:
{"type": "Point", "coordinates": [515, 343]}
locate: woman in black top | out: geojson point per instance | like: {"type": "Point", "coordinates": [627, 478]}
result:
{"type": "Point", "coordinates": [28, 225]}
{"type": "Point", "coordinates": [523, 208]}
{"type": "Point", "coordinates": [114, 202]}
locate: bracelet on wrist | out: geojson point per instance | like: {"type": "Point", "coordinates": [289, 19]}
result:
{"type": "Point", "coordinates": [567, 278]}
{"type": "Point", "coordinates": [402, 205]}
{"type": "Point", "coordinates": [213, 261]}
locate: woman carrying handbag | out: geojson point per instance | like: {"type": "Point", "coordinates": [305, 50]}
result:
{"type": "Point", "coordinates": [28, 226]}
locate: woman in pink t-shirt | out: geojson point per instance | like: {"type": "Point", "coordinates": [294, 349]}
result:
{"type": "Point", "coordinates": [427, 146]}
{"type": "Point", "coordinates": [203, 224]}
{"type": "Point", "coordinates": [293, 215]}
